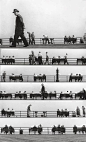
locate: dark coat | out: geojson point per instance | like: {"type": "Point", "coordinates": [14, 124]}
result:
{"type": "Point", "coordinates": [19, 23]}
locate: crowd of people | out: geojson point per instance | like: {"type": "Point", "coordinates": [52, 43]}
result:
{"type": "Point", "coordinates": [60, 113]}
{"type": "Point", "coordinates": [8, 59]}
{"type": "Point", "coordinates": [8, 113]}
{"type": "Point", "coordinates": [38, 59]}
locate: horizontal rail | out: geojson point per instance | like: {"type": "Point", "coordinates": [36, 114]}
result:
{"type": "Point", "coordinates": [39, 78]}
{"type": "Point", "coordinates": [51, 61]}
{"type": "Point", "coordinates": [6, 41]}
{"type": "Point", "coordinates": [39, 96]}
{"type": "Point", "coordinates": [45, 130]}
{"type": "Point", "coordinates": [40, 114]}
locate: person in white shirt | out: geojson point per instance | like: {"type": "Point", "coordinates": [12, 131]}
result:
{"type": "Point", "coordinates": [8, 112]}
{"type": "Point", "coordinates": [40, 58]}
{"type": "Point", "coordinates": [46, 39]}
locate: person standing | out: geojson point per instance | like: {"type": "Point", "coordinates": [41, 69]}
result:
{"type": "Point", "coordinates": [28, 110]}
{"type": "Point", "coordinates": [30, 39]}
{"type": "Point", "coordinates": [4, 76]}
{"type": "Point", "coordinates": [47, 58]}
{"type": "Point", "coordinates": [33, 38]}
{"type": "Point", "coordinates": [19, 29]}
{"type": "Point", "coordinates": [40, 58]}
{"type": "Point", "coordinates": [43, 91]}
{"type": "Point", "coordinates": [83, 111]}
{"type": "Point", "coordinates": [78, 111]}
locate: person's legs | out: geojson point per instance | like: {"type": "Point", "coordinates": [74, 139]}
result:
{"type": "Point", "coordinates": [24, 39]}
{"type": "Point", "coordinates": [15, 38]}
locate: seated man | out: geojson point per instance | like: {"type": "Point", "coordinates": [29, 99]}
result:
{"type": "Point", "coordinates": [70, 93]}
{"type": "Point", "coordinates": [46, 39]}
{"type": "Point", "coordinates": [81, 40]}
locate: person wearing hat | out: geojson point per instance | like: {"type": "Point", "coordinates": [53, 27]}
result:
{"type": "Point", "coordinates": [19, 29]}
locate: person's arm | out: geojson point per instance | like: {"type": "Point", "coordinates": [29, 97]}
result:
{"type": "Point", "coordinates": [21, 20]}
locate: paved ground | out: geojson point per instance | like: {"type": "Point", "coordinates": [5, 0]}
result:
{"type": "Point", "coordinates": [56, 46]}
{"type": "Point", "coordinates": [42, 138]}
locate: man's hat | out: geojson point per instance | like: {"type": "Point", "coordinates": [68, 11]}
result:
{"type": "Point", "coordinates": [15, 10]}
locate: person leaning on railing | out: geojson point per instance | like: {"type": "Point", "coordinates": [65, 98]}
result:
{"type": "Point", "coordinates": [28, 110]}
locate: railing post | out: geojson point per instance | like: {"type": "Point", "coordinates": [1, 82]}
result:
{"type": "Point", "coordinates": [57, 75]}
{"type": "Point", "coordinates": [40, 40]}
{"type": "Point", "coordinates": [24, 61]}
{"type": "Point", "coordinates": [27, 78]}
{"type": "Point", "coordinates": [48, 131]}
{"type": "Point", "coordinates": [54, 79]}
{"type": "Point", "coordinates": [20, 113]}
{"type": "Point", "coordinates": [33, 113]}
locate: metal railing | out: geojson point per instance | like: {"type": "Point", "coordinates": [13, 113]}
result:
{"type": "Point", "coordinates": [39, 96]}
{"type": "Point", "coordinates": [45, 131]}
{"type": "Point", "coordinates": [46, 78]}
{"type": "Point", "coordinates": [39, 41]}
{"type": "Point", "coordinates": [40, 114]}
{"type": "Point", "coordinates": [25, 61]}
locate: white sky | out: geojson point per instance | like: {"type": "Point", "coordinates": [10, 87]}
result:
{"type": "Point", "coordinates": [48, 70]}
{"type": "Point", "coordinates": [24, 53]}
{"type": "Point", "coordinates": [36, 87]}
{"type": "Point", "coordinates": [41, 105]}
{"type": "Point", "coordinates": [55, 18]}
{"type": "Point", "coordinates": [48, 122]}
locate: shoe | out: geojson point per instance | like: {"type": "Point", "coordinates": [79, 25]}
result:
{"type": "Point", "coordinates": [12, 46]}
{"type": "Point", "coordinates": [25, 45]}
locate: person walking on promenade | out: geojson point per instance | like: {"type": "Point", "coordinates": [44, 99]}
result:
{"type": "Point", "coordinates": [19, 29]}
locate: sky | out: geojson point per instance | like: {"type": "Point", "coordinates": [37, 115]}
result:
{"type": "Point", "coordinates": [55, 18]}
{"type": "Point", "coordinates": [24, 53]}
{"type": "Point", "coordinates": [36, 87]}
{"type": "Point", "coordinates": [44, 122]}
{"type": "Point", "coordinates": [48, 70]}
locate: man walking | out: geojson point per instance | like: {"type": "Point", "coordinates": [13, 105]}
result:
{"type": "Point", "coordinates": [19, 29]}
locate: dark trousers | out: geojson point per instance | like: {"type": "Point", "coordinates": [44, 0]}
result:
{"type": "Point", "coordinates": [33, 41]}
{"type": "Point", "coordinates": [40, 60]}
{"type": "Point", "coordinates": [19, 33]}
